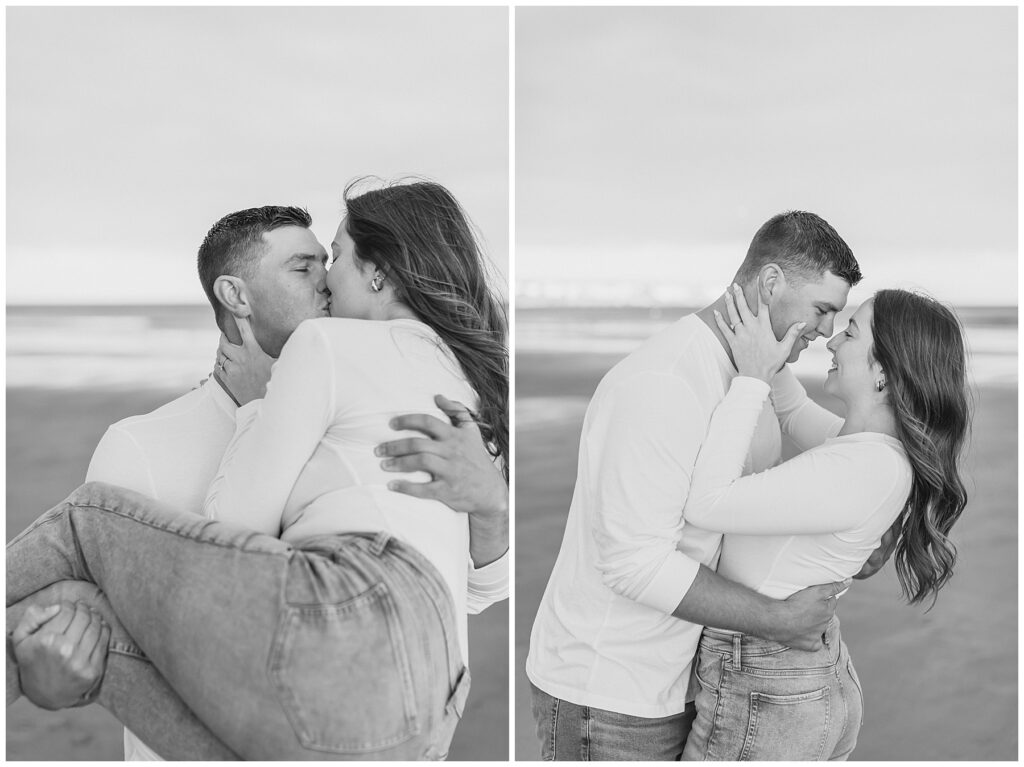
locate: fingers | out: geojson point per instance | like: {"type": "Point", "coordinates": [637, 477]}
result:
{"type": "Point", "coordinates": [427, 424]}
{"type": "Point", "coordinates": [724, 327]}
{"type": "Point", "coordinates": [762, 308]}
{"type": "Point", "coordinates": [33, 620]}
{"type": "Point", "coordinates": [429, 490]}
{"type": "Point", "coordinates": [407, 446]}
{"type": "Point", "coordinates": [99, 652]}
{"type": "Point", "coordinates": [741, 303]}
{"type": "Point", "coordinates": [839, 588]}
{"type": "Point", "coordinates": [427, 462]}
{"type": "Point", "coordinates": [459, 414]}
{"type": "Point", "coordinates": [730, 307]}
{"type": "Point", "coordinates": [225, 349]}
{"type": "Point", "coordinates": [91, 635]}
{"type": "Point", "coordinates": [60, 624]}
{"type": "Point", "coordinates": [826, 591]}
{"type": "Point", "coordinates": [245, 330]}
{"type": "Point", "coordinates": [79, 623]}
{"type": "Point", "coordinates": [792, 334]}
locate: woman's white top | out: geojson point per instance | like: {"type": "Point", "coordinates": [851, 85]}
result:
{"type": "Point", "coordinates": [812, 519]}
{"type": "Point", "coordinates": [301, 462]}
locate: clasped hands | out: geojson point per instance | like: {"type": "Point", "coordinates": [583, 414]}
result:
{"type": "Point", "coordinates": [61, 651]}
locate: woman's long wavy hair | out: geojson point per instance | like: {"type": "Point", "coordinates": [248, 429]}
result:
{"type": "Point", "coordinates": [419, 236]}
{"type": "Point", "coordinates": [920, 345]}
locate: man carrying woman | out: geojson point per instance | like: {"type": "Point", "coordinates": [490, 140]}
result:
{"type": "Point", "coordinates": [263, 270]}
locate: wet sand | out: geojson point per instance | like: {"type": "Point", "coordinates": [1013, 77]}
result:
{"type": "Point", "coordinates": [940, 685]}
{"type": "Point", "coordinates": [50, 438]}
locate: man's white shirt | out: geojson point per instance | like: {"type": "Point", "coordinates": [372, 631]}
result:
{"type": "Point", "coordinates": [172, 454]}
{"type": "Point", "coordinates": [604, 634]}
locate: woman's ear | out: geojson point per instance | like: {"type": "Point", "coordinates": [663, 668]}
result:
{"type": "Point", "coordinates": [233, 295]}
{"type": "Point", "coordinates": [877, 373]}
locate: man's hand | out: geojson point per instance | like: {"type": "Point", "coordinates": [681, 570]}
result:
{"type": "Point", "coordinates": [61, 653]}
{"type": "Point", "coordinates": [881, 555]}
{"type": "Point", "coordinates": [807, 614]}
{"type": "Point", "coordinates": [463, 474]}
{"type": "Point", "coordinates": [243, 370]}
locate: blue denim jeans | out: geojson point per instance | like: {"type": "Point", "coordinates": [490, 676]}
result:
{"type": "Point", "coordinates": [343, 647]}
{"type": "Point", "coordinates": [761, 701]}
{"type": "Point", "coordinates": [169, 725]}
{"type": "Point", "coordinates": [572, 733]}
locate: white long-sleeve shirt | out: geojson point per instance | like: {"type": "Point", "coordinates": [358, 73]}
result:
{"type": "Point", "coordinates": [604, 634]}
{"type": "Point", "coordinates": [301, 461]}
{"type": "Point", "coordinates": [812, 519]}
{"type": "Point", "coordinates": [173, 453]}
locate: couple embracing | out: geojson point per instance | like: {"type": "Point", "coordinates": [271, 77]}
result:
{"type": "Point", "coordinates": [691, 610]}
{"type": "Point", "coordinates": [263, 568]}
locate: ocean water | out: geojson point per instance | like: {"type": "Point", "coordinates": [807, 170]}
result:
{"type": "Point", "coordinates": [110, 347]}
{"type": "Point", "coordinates": [991, 336]}
{"type": "Point", "coordinates": [174, 347]}
{"type": "Point", "coordinates": [616, 331]}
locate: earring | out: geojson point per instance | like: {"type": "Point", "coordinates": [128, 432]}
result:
{"type": "Point", "coordinates": [880, 384]}
{"type": "Point", "coordinates": [377, 283]}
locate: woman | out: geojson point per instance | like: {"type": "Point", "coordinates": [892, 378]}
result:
{"type": "Point", "coordinates": [900, 370]}
{"type": "Point", "coordinates": [314, 619]}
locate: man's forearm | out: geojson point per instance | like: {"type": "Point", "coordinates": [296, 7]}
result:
{"type": "Point", "coordinates": [714, 601]}
{"type": "Point", "coordinates": [488, 535]}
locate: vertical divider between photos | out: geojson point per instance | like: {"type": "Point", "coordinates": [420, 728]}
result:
{"type": "Point", "coordinates": [512, 373]}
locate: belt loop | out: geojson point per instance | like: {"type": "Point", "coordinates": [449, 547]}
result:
{"type": "Point", "coordinates": [737, 657]}
{"type": "Point", "coordinates": [380, 542]}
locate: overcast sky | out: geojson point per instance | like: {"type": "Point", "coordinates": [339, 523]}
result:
{"type": "Point", "coordinates": [131, 130]}
{"type": "Point", "coordinates": [651, 143]}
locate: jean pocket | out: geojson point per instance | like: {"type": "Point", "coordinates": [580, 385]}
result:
{"type": "Point", "coordinates": [787, 727]}
{"type": "Point", "coordinates": [342, 674]}
{"type": "Point", "coordinates": [703, 669]}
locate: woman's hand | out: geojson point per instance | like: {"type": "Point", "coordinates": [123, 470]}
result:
{"type": "Point", "coordinates": [755, 350]}
{"type": "Point", "coordinates": [243, 370]}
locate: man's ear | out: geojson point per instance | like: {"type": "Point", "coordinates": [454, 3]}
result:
{"type": "Point", "coordinates": [233, 295]}
{"type": "Point", "coordinates": [769, 280]}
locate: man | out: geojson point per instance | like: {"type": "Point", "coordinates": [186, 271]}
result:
{"type": "Point", "coordinates": [264, 272]}
{"type": "Point", "coordinates": [633, 586]}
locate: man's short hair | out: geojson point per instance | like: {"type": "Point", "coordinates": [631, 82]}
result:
{"type": "Point", "coordinates": [234, 245]}
{"type": "Point", "coordinates": [803, 245]}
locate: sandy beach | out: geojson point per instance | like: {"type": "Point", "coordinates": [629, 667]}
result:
{"type": "Point", "coordinates": [940, 685]}
{"type": "Point", "coordinates": [50, 438]}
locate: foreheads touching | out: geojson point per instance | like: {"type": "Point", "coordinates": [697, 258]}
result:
{"type": "Point", "coordinates": [235, 244]}
{"type": "Point", "coordinates": [803, 270]}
